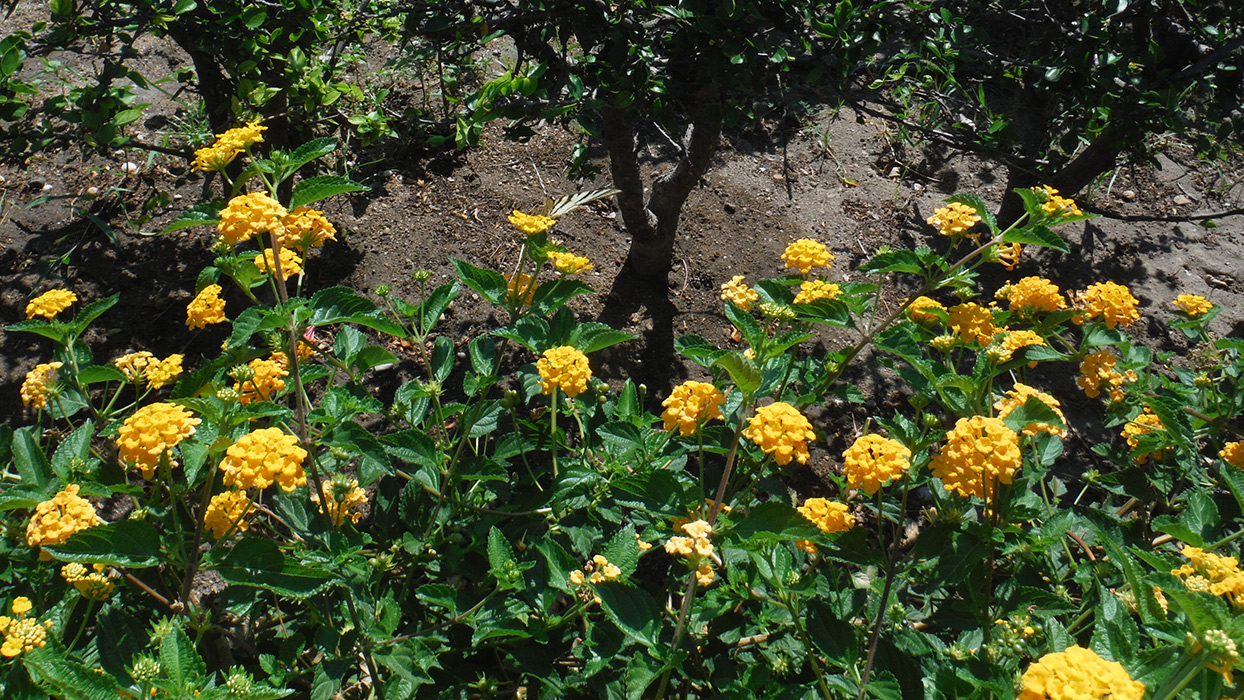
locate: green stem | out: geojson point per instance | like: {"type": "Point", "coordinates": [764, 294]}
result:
{"type": "Point", "coordinates": [365, 642]}
{"type": "Point", "coordinates": [553, 427]}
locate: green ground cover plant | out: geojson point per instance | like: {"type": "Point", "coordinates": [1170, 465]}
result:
{"type": "Point", "coordinates": [259, 523]}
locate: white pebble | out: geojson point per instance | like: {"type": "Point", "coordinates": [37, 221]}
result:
{"type": "Point", "coordinates": [92, 190]}
{"type": "Point", "coordinates": [129, 167]}
{"type": "Point", "coordinates": [47, 187]}
{"type": "Point", "coordinates": [177, 196]}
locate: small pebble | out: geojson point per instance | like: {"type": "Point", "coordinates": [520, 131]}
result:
{"type": "Point", "coordinates": [917, 187]}
{"type": "Point", "coordinates": [1181, 200]}
{"type": "Point", "coordinates": [895, 172]}
{"type": "Point", "coordinates": [1129, 195]}
{"type": "Point", "coordinates": [92, 190]}
{"type": "Point", "coordinates": [47, 187]}
{"type": "Point", "coordinates": [2, 180]}
{"type": "Point", "coordinates": [177, 196]}
{"type": "Point", "coordinates": [128, 167]}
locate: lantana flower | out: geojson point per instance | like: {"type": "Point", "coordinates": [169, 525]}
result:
{"type": "Point", "coordinates": [980, 453]}
{"type": "Point", "coordinates": [1113, 303]}
{"type": "Point", "coordinates": [531, 224]}
{"type": "Point", "coordinates": [1013, 341]}
{"type": "Point", "coordinates": [150, 432]}
{"type": "Point", "coordinates": [206, 308]}
{"type": "Point", "coordinates": [50, 303]}
{"type": "Point", "coordinates": [563, 368]}
{"type": "Point", "coordinates": [811, 290]}
{"type": "Point", "coordinates": [690, 405]}
{"type": "Point", "coordinates": [93, 585]}
{"type": "Point", "coordinates": [1233, 453]}
{"type": "Point", "coordinates": [971, 323]}
{"type": "Point", "coordinates": [304, 228]}
{"type": "Point", "coordinates": [248, 215]}
{"type": "Point", "coordinates": [38, 385]}
{"type": "Point", "coordinates": [291, 263]}
{"type": "Point", "coordinates": [737, 291]}
{"type": "Point", "coordinates": [918, 310]}
{"type": "Point", "coordinates": [805, 254]}
{"type": "Point", "coordinates": [781, 430]}
{"type": "Point", "coordinates": [22, 634]}
{"type": "Point", "coordinates": [262, 379]}
{"type": "Point", "coordinates": [520, 288]}
{"type": "Point", "coordinates": [227, 511]}
{"type": "Point", "coordinates": [569, 263]}
{"type": "Point", "coordinates": [828, 516]}
{"type": "Point", "coordinates": [1147, 421]}
{"type": "Point", "coordinates": [1032, 295]}
{"type": "Point", "coordinates": [697, 548]}
{"type": "Point", "coordinates": [342, 498]}
{"type": "Point", "coordinates": [1058, 206]}
{"type": "Point", "coordinates": [57, 519]}
{"type": "Point", "coordinates": [1097, 372]}
{"type": "Point", "coordinates": [227, 146]}
{"type": "Point", "coordinates": [954, 219]}
{"type": "Point", "coordinates": [264, 457]}
{"type": "Point", "coordinates": [873, 461]}
{"type": "Point", "coordinates": [1193, 305]}
{"type": "Point", "coordinates": [1077, 673]}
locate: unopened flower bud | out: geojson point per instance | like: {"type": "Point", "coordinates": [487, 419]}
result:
{"type": "Point", "coordinates": [382, 290]}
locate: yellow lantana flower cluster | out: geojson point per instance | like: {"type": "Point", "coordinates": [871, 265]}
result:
{"type": "Point", "coordinates": [805, 254]}
{"type": "Point", "coordinates": [1018, 397]}
{"type": "Point", "coordinates": [1077, 673]}
{"type": "Point", "coordinates": [531, 224]}
{"type": "Point", "coordinates": [811, 290]}
{"type": "Point", "coordinates": [264, 457]}
{"type": "Point", "coordinates": [150, 432]}
{"type": "Point", "coordinates": [1058, 206]}
{"type": "Point", "coordinates": [304, 228]}
{"type": "Point", "coordinates": [93, 585]}
{"type": "Point", "coordinates": [828, 516]}
{"type": "Point", "coordinates": [520, 288]}
{"type": "Point", "coordinates": [971, 323]}
{"type": "Point", "coordinates": [698, 549]}
{"type": "Point", "coordinates": [1113, 303]}
{"type": "Point", "coordinates": [342, 498]}
{"type": "Point", "coordinates": [1233, 454]}
{"type": "Point", "coordinates": [1017, 340]}
{"type": "Point", "coordinates": [250, 214]}
{"type": "Point", "coordinates": [50, 303]}
{"type": "Point", "coordinates": [1007, 254]}
{"type": "Point", "coordinates": [1097, 372]}
{"type": "Point", "coordinates": [873, 461]}
{"type": "Point", "coordinates": [598, 570]}
{"type": "Point", "coordinates": [142, 365]}
{"type": "Point", "coordinates": [690, 405]}
{"type": "Point", "coordinates": [1193, 304]}
{"type": "Point", "coordinates": [737, 291]}
{"type": "Point", "coordinates": [563, 368]}
{"type": "Point", "coordinates": [206, 308]}
{"type": "Point", "coordinates": [954, 219]}
{"type": "Point", "coordinates": [980, 453]}
{"type": "Point", "coordinates": [265, 378]}
{"type": "Point", "coordinates": [227, 511]}
{"type": "Point", "coordinates": [37, 385]}
{"type": "Point", "coordinates": [918, 310]}
{"type": "Point", "coordinates": [228, 145]}
{"type": "Point", "coordinates": [22, 634]}
{"type": "Point", "coordinates": [569, 263]}
{"type": "Point", "coordinates": [291, 263]}
{"type": "Point", "coordinates": [59, 518]}
{"type": "Point", "coordinates": [1212, 573]}
{"type": "Point", "coordinates": [782, 431]}
{"type": "Point", "coordinates": [1146, 422]}
{"type": "Point", "coordinates": [1032, 295]}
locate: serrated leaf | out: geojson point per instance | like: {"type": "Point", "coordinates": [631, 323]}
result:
{"type": "Point", "coordinates": [1036, 235]}
{"type": "Point", "coordinates": [742, 371]}
{"type": "Point", "coordinates": [314, 189]}
{"type": "Point", "coordinates": [203, 214]}
{"type": "Point", "coordinates": [591, 336]}
{"type": "Point", "coordinates": [488, 283]}
{"type": "Point", "coordinates": [772, 521]}
{"type": "Point", "coordinates": [28, 457]}
{"type": "Point", "coordinates": [344, 305]}
{"type": "Point", "coordinates": [699, 350]}
{"type": "Point", "coordinates": [90, 312]}
{"type": "Point", "coordinates": [259, 563]}
{"type": "Point", "coordinates": [68, 678]}
{"type": "Point", "coordinates": [747, 325]}
{"type": "Point", "coordinates": [179, 662]}
{"type": "Point", "coordinates": [502, 563]}
{"type": "Point", "coordinates": [632, 610]}
{"type": "Point", "coordinates": [623, 551]}
{"type": "Point", "coordinates": [132, 544]}
{"type": "Point", "coordinates": [982, 209]}
{"type": "Point", "coordinates": [433, 307]}
{"type": "Point", "coordinates": [1033, 412]}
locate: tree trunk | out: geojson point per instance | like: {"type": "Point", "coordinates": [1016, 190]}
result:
{"type": "Point", "coordinates": [654, 223]}
{"type": "Point", "coordinates": [1098, 157]}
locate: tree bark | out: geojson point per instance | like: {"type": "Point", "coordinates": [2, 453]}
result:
{"type": "Point", "coordinates": [1098, 157]}
{"type": "Point", "coordinates": [653, 223]}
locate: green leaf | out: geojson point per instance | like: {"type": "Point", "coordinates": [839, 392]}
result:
{"type": "Point", "coordinates": [1036, 235]}
{"type": "Point", "coordinates": [56, 330]}
{"type": "Point", "coordinates": [591, 336]}
{"type": "Point", "coordinates": [747, 325]}
{"type": "Point", "coordinates": [309, 151]}
{"type": "Point", "coordinates": [433, 307]}
{"type": "Point", "coordinates": [411, 445]}
{"type": "Point", "coordinates": [893, 261]}
{"type": "Point", "coordinates": [550, 296]}
{"type": "Point", "coordinates": [133, 544]}
{"type": "Point", "coordinates": [623, 551]}
{"type": "Point", "coordinates": [699, 350]}
{"type": "Point", "coordinates": [69, 679]}
{"type": "Point", "coordinates": [90, 312]}
{"type": "Point", "coordinates": [314, 189]}
{"type": "Point", "coordinates": [632, 610]}
{"type": "Point", "coordinates": [95, 374]}
{"type": "Point", "coordinates": [344, 305]}
{"type": "Point", "coordinates": [773, 521]}
{"type": "Point", "coordinates": [32, 465]}
{"type": "Point", "coordinates": [488, 283]}
{"type": "Point", "coordinates": [179, 662]}
{"type": "Point", "coordinates": [742, 371]}
{"type": "Point", "coordinates": [203, 214]}
{"type": "Point", "coordinates": [1176, 528]}
{"type": "Point", "coordinates": [259, 563]}
{"type": "Point", "coordinates": [835, 638]}
{"type": "Point", "coordinates": [502, 563]}
{"type": "Point", "coordinates": [75, 447]}
{"type": "Point", "coordinates": [1033, 411]}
